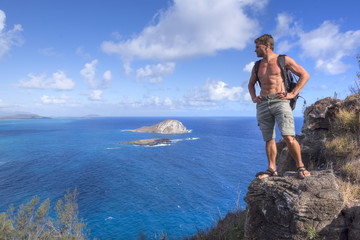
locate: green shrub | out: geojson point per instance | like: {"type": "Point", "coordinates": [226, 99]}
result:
{"type": "Point", "coordinates": [31, 223]}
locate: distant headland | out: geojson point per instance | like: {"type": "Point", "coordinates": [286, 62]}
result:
{"type": "Point", "coordinates": [22, 116]}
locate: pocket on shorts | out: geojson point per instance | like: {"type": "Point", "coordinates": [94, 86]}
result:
{"type": "Point", "coordinates": [287, 126]}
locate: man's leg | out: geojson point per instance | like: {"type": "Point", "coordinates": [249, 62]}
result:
{"type": "Point", "coordinates": [271, 152]}
{"type": "Point", "coordinates": [295, 152]}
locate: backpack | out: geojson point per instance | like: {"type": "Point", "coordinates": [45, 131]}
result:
{"type": "Point", "coordinates": [290, 80]}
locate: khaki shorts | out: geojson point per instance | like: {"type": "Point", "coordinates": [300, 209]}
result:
{"type": "Point", "coordinates": [272, 109]}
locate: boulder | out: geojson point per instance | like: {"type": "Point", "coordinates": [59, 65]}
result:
{"type": "Point", "coordinates": [320, 114]}
{"type": "Point", "coordinates": [290, 208]}
{"type": "Point", "coordinates": [165, 127]}
{"type": "Point", "coordinates": [345, 226]}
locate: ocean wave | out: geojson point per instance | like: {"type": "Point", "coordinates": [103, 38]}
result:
{"type": "Point", "coordinates": [112, 148]}
{"type": "Point", "coordinates": [184, 139]}
{"type": "Point", "coordinates": [160, 145]}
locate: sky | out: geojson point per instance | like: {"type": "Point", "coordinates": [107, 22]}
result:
{"type": "Point", "coordinates": [66, 58]}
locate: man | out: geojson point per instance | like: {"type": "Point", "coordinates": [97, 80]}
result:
{"type": "Point", "coordinates": [273, 103]}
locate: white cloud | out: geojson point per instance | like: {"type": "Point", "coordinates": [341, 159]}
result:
{"type": "Point", "coordinates": [168, 102]}
{"type": "Point", "coordinates": [96, 95]}
{"type": "Point", "coordinates": [58, 81]}
{"type": "Point", "coordinates": [155, 73]}
{"type": "Point", "coordinates": [127, 69]}
{"type": "Point", "coordinates": [2, 20]}
{"type": "Point", "coordinates": [248, 67]}
{"type": "Point", "coordinates": [154, 100]}
{"type": "Point", "coordinates": [191, 28]}
{"type": "Point", "coordinates": [9, 38]}
{"type": "Point", "coordinates": [149, 102]}
{"type": "Point", "coordinates": [219, 90]}
{"type": "Point", "coordinates": [286, 26]}
{"type": "Point", "coordinates": [55, 100]}
{"type": "Point", "coordinates": [327, 45]}
{"type": "Point", "coordinates": [212, 93]}
{"type": "Point", "coordinates": [88, 73]}
{"type": "Point", "coordinates": [126, 102]}
{"type": "Point", "coordinates": [107, 77]}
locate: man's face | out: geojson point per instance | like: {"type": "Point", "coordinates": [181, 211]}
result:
{"type": "Point", "coordinates": [260, 49]}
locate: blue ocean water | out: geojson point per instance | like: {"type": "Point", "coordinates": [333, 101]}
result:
{"type": "Point", "coordinates": [124, 189]}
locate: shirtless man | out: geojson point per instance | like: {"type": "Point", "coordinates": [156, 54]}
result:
{"type": "Point", "coordinates": [273, 103]}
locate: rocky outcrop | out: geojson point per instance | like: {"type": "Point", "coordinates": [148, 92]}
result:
{"type": "Point", "coordinates": [148, 142]}
{"type": "Point", "coordinates": [320, 114]}
{"type": "Point", "coordinates": [165, 127]}
{"type": "Point", "coordinates": [290, 208]}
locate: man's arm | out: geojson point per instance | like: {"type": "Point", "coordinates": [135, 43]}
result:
{"type": "Point", "coordinates": [251, 87]}
{"type": "Point", "coordinates": [299, 71]}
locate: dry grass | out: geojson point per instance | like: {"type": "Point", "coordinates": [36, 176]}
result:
{"type": "Point", "coordinates": [350, 191]}
{"type": "Point", "coordinates": [352, 171]}
{"type": "Point", "coordinates": [343, 146]}
{"type": "Point", "coordinates": [346, 121]}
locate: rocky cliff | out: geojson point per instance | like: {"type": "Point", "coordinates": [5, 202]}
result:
{"type": "Point", "coordinates": [165, 127]}
{"type": "Point", "coordinates": [318, 207]}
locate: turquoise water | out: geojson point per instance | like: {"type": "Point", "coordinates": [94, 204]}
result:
{"type": "Point", "coordinates": [125, 189]}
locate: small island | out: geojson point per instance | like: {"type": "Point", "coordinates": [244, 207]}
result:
{"type": "Point", "coordinates": [148, 142]}
{"type": "Point", "coordinates": [169, 126]}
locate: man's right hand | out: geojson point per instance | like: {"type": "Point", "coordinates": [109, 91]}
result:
{"type": "Point", "coordinates": [257, 99]}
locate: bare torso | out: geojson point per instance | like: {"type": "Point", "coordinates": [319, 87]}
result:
{"type": "Point", "coordinates": [269, 74]}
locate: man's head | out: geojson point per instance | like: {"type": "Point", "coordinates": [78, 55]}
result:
{"type": "Point", "coordinates": [264, 40]}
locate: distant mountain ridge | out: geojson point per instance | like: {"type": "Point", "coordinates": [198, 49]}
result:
{"type": "Point", "coordinates": [22, 116]}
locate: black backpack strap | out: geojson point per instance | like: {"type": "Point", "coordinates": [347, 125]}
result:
{"type": "Point", "coordinates": [281, 62]}
{"type": "Point", "coordinates": [256, 68]}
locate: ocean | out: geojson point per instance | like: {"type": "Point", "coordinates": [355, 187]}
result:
{"type": "Point", "coordinates": [125, 190]}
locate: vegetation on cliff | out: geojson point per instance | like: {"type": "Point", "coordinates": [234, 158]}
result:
{"type": "Point", "coordinates": [27, 222]}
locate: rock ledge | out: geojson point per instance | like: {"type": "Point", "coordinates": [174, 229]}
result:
{"type": "Point", "coordinates": [288, 207]}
